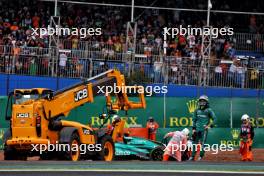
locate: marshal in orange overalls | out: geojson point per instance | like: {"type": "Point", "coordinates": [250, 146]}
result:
{"type": "Point", "coordinates": [152, 127]}
{"type": "Point", "coordinates": [246, 136]}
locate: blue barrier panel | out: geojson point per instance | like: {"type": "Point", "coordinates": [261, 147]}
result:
{"type": "Point", "coordinates": [10, 82]}
{"type": "Point", "coordinates": [3, 85]}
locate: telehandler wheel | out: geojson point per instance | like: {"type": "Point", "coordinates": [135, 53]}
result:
{"type": "Point", "coordinates": [13, 154]}
{"type": "Point", "coordinates": [108, 148]}
{"type": "Point", "coordinates": [10, 153]}
{"type": "Point", "coordinates": [74, 152]}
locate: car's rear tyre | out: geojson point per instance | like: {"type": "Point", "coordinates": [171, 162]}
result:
{"type": "Point", "coordinates": [73, 154]}
{"type": "Point", "coordinates": [107, 152]}
{"type": "Point", "coordinates": [157, 154]}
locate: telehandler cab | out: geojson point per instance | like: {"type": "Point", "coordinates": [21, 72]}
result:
{"type": "Point", "coordinates": [35, 117]}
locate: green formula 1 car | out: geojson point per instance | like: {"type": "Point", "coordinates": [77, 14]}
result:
{"type": "Point", "coordinates": [134, 147]}
{"type": "Point", "coordinates": [144, 149]}
{"type": "Point", "coordinates": [139, 148]}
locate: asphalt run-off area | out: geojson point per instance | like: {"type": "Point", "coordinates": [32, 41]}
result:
{"type": "Point", "coordinates": [129, 168]}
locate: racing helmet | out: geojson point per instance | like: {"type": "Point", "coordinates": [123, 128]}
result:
{"type": "Point", "coordinates": [245, 117]}
{"type": "Point", "coordinates": [115, 118]}
{"type": "Point", "coordinates": [186, 131]}
{"type": "Point", "coordinates": [151, 119]}
{"type": "Point", "coordinates": [203, 97]}
{"type": "Point", "coordinates": [203, 101]}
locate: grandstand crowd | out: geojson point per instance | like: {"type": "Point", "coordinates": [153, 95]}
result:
{"type": "Point", "coordinates": [184, 52]}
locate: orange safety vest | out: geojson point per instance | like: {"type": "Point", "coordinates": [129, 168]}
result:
{"type": "Point", "coordinates": [152, 127]}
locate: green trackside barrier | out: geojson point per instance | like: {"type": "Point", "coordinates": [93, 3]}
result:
{"type": "Point", "coordinates": [3, 122]}
{"type": "Point", "coordinates": [215, 136]}
{"type": "Point", "coordinates": [178, 112]}
{"type": "Point", "coordinates": [2, 131]}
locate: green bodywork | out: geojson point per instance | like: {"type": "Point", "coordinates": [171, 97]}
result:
{"type": "Point", "coordinates": [138, 148]}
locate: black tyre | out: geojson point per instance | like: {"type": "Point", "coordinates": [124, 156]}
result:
{"type": "Point", "coordinates": [73, 154]}
{"type": "Point", "coordinates": [48, 156]}
{"type": "Point", "coordinates": [10, 153]}
{"type": "Point", "coordinates": [157, 154]}
{"type": "Point", "coordinates": [22, 156]}
{"type": "Point", "coordinates": [107, 152]}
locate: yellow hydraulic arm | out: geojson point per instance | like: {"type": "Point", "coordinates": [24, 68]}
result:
{"type": "Point", "coordinates": [63, 101]}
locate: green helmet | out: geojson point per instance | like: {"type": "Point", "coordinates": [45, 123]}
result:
{"type": "Point", "coordinates": [203, 97]}
{"type": "Point", "coordinates": [203, 102]}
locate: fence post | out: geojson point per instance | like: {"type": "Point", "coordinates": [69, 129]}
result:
{"type": "Point", "coordinates": [231, 108]}
{"type": "Point", "coordinates": [13, 61]}
{"type": "Point", "coordinates": [164, 110]}
{"type": "Point", "coordinates": [257, 108]}
{"type": "Point", "coordinates": [90, 67]}
{"type": "Point", "coordinates": [7, 83]}
{"type": "Point", "coordinates": [165, 71]}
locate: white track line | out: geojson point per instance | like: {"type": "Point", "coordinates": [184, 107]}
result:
{"type": "Point", "coordinates": [133, 171]}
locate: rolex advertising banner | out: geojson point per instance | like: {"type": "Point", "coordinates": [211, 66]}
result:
{"type": "Point", "coordinates": [176, 112]}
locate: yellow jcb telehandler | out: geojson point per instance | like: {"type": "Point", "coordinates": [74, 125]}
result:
{"type": "Point", "coordinates": [36, 120]}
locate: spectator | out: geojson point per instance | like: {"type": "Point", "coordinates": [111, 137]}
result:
{"type": "Point", "coordinates": [33, 67]}
{"type": "Point", "coordinates": [232, 72]}
{"type": "Point", "coordinates": [28, 21]}
{"type": "Point", "coordinates": [75, 42]}
{"type": "Point", "coordinates": [240, 80]}
{"type": "Point", "coordinates": [18, 67]}
{"type": "Point", "coordinates": [62, 64]}
{"type": "Point", "coordinates": [158, 41]}
{"type": "Point", "coordinates": [218, 75]}
{"type": "Point", "coordinates": [35, 21]}
{"type": "Point", "coordinates": [157, 71]}
{"type": "Point", "coordinates": [253, 77]}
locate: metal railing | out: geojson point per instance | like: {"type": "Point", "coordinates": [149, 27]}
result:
{"type": "Point", "coordinates": [141, 68]}
{"type": "Point", "coordinates": [241, 41]}
{"type": "Point", "coordinates": [248, 42]}
{"type": "Point", "coordinates": [242, 78]}
{"type": "Point", "coordinates": [104, 46]}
